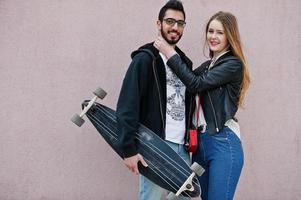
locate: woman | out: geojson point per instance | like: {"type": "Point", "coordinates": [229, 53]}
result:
{"type": "Point", "coordinates": [221, 85]}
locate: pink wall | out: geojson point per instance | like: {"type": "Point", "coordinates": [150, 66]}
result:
{"type": "Point", "coordinates": [53, 53]}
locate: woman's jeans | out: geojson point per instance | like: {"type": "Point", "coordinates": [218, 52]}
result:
{"type": "Point", "coordinates": [221, 155]}
{"type": "Point", "coordinates": [149, 190]}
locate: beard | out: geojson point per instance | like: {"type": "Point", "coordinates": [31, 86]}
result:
{"type": "Point", "coordinates": [170, 41]}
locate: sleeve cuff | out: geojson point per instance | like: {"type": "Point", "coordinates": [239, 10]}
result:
{"type": "Point", "coordinates": [173, 59]}
{"type": "Point", "coordinates": [129, 151]}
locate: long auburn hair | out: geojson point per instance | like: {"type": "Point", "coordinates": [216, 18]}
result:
{"type": "Point", "coordinates": [230, 25]}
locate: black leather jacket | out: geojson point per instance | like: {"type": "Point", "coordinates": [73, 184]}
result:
{"type": "Point", "coordinates": [218, 87]}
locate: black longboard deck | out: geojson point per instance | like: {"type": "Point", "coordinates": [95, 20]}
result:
{"type": "Point", "coordinates": [165, 167]}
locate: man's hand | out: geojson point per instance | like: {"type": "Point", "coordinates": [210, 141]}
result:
{"type": "Point", "coordinates": [132, 163]}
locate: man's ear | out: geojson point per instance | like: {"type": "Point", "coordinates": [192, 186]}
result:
{"type": "Point", "coordinates": [159, 25]}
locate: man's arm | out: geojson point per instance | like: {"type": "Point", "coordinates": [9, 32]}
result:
{"type": "Point", "coordinates": [128, 109]}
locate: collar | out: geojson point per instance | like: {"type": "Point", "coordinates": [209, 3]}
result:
{"type": "Point", "coordinates": [214, 59]}
{"type": "Point", "coordinates": [163, 58]}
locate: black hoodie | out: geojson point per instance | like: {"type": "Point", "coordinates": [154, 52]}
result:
{"type": "Point", "coordinates": [142, 100]}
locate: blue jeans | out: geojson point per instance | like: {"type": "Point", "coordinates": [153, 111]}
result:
{"type": "Point", "coordinates": [149, 190]}
{"type": "Point", "coordinates": [221, 155]}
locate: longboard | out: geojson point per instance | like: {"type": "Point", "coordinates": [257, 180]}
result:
{"type": "Point", "coordinates": [165, 167]}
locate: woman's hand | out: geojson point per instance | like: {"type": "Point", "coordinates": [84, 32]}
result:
{"type": "Point", "coordinates": [164, 47]}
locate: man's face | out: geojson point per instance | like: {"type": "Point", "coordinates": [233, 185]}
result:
{"type": "Point", "coordinates": [172, 26]}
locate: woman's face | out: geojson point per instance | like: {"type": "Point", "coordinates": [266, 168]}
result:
{"type": "Point", "coordinates": [216, 38]}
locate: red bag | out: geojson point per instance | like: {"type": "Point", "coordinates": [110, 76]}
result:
{"type": "Point", "coordinates": [193, 140]}
{"type": "Point", "coordinates": [193, 134]}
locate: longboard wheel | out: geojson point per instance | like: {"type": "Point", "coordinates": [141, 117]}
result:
{"type": "Point", "coordinates": [76, 119]}
{"type": "Point", "coordinates": [172, 196]}
{"type": "Point", "coordinates": [100, 93]}
{"type": "Point", "coordinates": [196, 168]}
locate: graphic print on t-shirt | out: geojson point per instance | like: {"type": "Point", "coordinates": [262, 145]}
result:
{"type": "Point", "coordinates": [175, 96]}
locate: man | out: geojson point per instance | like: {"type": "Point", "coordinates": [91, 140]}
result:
{"type": "Point", "coordinates": [155, 98]}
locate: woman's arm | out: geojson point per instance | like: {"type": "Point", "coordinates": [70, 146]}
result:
{"type": "Point", "coordinates": [225, 72]}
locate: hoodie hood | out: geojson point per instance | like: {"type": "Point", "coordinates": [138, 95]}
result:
{"type": "Point", "coordinates": [148, 46]}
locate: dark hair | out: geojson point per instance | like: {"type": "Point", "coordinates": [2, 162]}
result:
{"type": "Point", "coordinates": [173, 5]}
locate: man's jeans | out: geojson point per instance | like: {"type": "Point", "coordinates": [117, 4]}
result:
{"type": "Point", "coordinates": [150, 191]}
{"type": "Point", "coordinates": [221, 155]}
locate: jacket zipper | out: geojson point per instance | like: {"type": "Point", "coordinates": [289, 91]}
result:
{"type": "Point", "coordinates": [214, 114]}
{"type": "Point", "coordinates": [215, 120]}
{"type": "Point", "coordinates": [160, 100]}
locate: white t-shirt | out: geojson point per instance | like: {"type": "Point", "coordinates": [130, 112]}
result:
{"type": "Point", "coordinates": [175, 106]}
